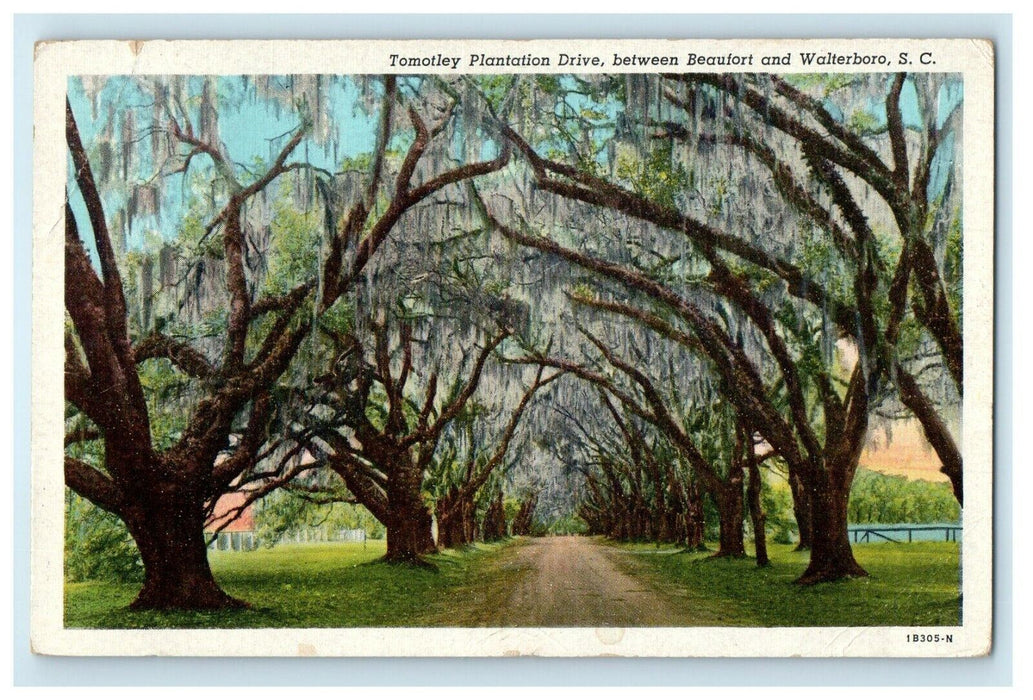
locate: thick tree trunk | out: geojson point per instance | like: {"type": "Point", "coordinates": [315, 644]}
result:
{"type": "Point", "coordinates": [409, 521]}
{"type": "Point", "coordinates": [450, 531]}
{"type": "Point", "coordinates": [168, 527]}
{"type": "Point", "coordinates": [674, 526]}
{"type": "Point", "coordinates": [469, 521]}
{"type": "Point", "coordinates": [620, 529]}
{"type": "Point", "coordinates": [662, 526]}
{"type": "Point", "coordinates": [445, 510]}
{"type": "Point", "coordinates": [642, 520]}
{"type": "Point", "coordinates": [409, 534]}
{"type": "Point", "coordinates": [495, 520]}
{"type": "Point", "coordinates": [695, 522]}
{"type": "Point", "coordinates": [525, 518]}
{"type": "Point", "coordinates": [592, 518]}
{"type": "Point", "coordinates": [730, 513]}
{"type": "Point", "coordinates": [456, 521]}
{"type": "Point", "coordinates": [831, 556]}
{"type": "Point", "coordinates": [757, 515]}
{"type": "Point", "coordinates": [801, 511]}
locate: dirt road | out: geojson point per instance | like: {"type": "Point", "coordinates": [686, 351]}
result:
{"type": "Point", "coordinates": [573, 582]}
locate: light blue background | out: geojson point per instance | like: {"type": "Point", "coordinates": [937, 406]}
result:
{"type": "Point", "coordinates": [39, 670]}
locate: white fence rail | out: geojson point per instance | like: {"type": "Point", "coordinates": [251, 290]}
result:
{"type": "Point", "coordinates": [249, 540]}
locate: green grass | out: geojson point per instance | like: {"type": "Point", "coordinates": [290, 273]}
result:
{"type": "Point", "coordinates": [344, 585]}
{"type": "Point", "coordinates": [324, 585]}
{"type": "Point", "coordinates": [913, 584]}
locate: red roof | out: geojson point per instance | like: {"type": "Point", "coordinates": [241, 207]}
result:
{"type": "Point", "coordinates": [225, 508]}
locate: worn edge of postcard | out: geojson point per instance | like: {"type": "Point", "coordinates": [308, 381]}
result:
{"type": "Point", "coordinates": [55, 61]}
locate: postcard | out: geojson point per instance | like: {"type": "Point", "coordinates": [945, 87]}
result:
{"type": "Point", "coordinates": [497, 348]}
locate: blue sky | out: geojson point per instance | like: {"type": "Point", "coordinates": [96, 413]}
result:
{"type": "Point", "coordinates": [251, 127]}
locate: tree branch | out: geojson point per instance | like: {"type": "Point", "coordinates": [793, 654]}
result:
{"type": "Point", "coordinates": [181, 355]}
{"type": "Point", "coordinates": [739, 373]}
{"type": "Point", "coordinates": [243, 455]}
{"type": "Point", "coordinates": [114, 300]}
{"type": "Point", "coordinates": [454, 406]}
{"type": "Point", "coordinates": [895, 125]}
{"type": "Point", "coordinates": [936, 431]}
{"type": "Point", "coordinates": [92, 485]}
{"type": "Point", "coordinates": [507, 436]}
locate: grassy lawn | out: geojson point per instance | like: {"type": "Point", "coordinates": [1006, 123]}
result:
{"type": "Point", "coordinates": [909, 584]}
{"type": "Point", "coordinates": [313, 585]}
{"type": "Point", "coordinates": [344, 585]}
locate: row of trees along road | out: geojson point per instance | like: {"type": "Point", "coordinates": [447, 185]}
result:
{"type": "Point", "coordinates": [709, 275]}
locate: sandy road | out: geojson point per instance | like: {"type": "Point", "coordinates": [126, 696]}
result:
{"type": "Point", "coordinates": [576, 582]}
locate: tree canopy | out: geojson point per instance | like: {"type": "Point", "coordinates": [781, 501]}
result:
{"type": "Point", "coordinates": [626, 297]}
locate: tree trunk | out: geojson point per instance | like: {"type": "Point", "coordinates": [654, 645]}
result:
{"type": "Point", "coordinates": [757, 515]}
{"type": "Point", "coordinates": [495, 520]}
{"type": "Point", "coordinates": [730, 511]}
{"type": "Point", "coordinates": [446, 512]}
{"type": "Point", "coordinates": [831, 556]}
{"type": "Point", "coordinates": [623, 522]}
{"type": "Point", "coordinates": [643, 520]}
{"type": "Point", "coordinates": [695, 521]}
{"type": "Point", "coordinates": [450, 531]}
{"type": "Point", "coordinates": [456, 522]}
{"type": "Point", "coordinates": [662, 526]}
{"type": "Point", "coordinates": [469, 521]}
{"type": "Point", "coordinates": [168, 527]}
{"type": "Point", "coordinates": [525, 518]}
{"type": "Point", "coordinates": [801, 511]}
{"type": "Point", "coordinates": [409, 521]}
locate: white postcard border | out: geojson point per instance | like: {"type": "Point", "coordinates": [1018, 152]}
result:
{"type": "Point", "coordinates": [55, 61]}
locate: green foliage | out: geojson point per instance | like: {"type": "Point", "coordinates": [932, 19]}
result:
{"type": "Point", "coordinates": [713, 431]}
{"type": "Point", "coordinates": [570, 524]}
{"type": "Point", "coordinates": [361, 163]}
{"type": "Point", "coordinates": [712, 518]}
{"type": "Point", "coordinates": [294, 243]}
{"type": "Point", "coordinates": [167, 391]}
{"type": "Point", "coordinates": [548, 83]}
{"type": "Point", "coordinates": [494, 88]}
{"type": "Point", "coordinates": [283, 513]}
{"type": "Point", "coordinates": [510, 507]}
{"type": "Point", "coordinates": [827, 82]}
{"type": "Point", "coordinates": [821, 260]}
{"type": "Point", "coordinates": [952, 267]}
{"type": "Point", "coordinates": [880, 498]}
{"type": "Point", "coordinates": [97, 545]}
{"type": "Point", "coordinates": [658, 177]}
{"type": "Point", "coordinates": [377, 407]}
{"type": "Point", "coordinates": [777, 503]}
{"type": "Point", "coordinates": [339, 318]}
{"type": "Point", "coordinates": [863, 122]}
{"type": "Point", "coordinates": [193, 240]}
